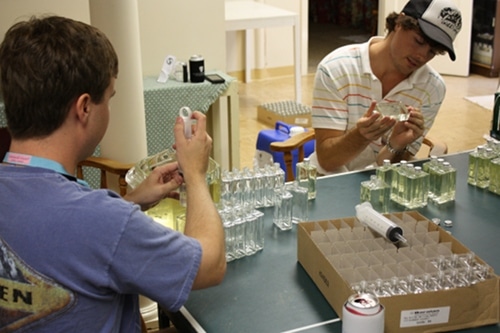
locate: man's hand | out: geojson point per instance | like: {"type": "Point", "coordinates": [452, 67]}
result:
{"type": "Point", "coordinates": [405, 132]}
{"type": "Point", "coordinates": [159, 184]}
{"type": "Point", "coordinates": [373, 125]}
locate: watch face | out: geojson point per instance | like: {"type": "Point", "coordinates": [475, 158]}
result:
{"type": "Point", "coordinates": [395, 110]}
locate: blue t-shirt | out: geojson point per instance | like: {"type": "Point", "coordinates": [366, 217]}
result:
{"type": "Point", "coordinates": [73, 259]}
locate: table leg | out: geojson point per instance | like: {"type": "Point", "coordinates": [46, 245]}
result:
{"type": "Point", "coordinates": [297, 48]}
{"type": "Point", "coordinates": [249, 51]}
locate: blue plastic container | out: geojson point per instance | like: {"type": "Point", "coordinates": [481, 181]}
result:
{"type": "Point", "coordinates": [280, 133]}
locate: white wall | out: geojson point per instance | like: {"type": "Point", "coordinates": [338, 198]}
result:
{"type": "Point", "coordinates": [182, 28]}
{"type": "Point", "coordinates": [12, 11]}
{"type": "Point", "coordinates": [178, 27]}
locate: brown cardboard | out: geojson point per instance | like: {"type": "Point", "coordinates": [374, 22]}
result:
{"type": "Point", "coordinates": [473, 306]}
{"type": "Point", "coordinates": [269, 117]}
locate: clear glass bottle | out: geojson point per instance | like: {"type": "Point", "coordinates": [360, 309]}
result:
{"type": "Point", "coordinates": [238, 220]}
{"type": "Point", "coordinates": [445, 182]}
{"type": "Point", "coordinates": [417, 188]}
{"type": "Point", "coordinates": [259, 229]}
{"type": "Point", "coordinates": [385, 172]}
{"type": "Point", "coordinates": [248, 190]}
{"type": "Point", "coordinates": [259, 183]}
{"type": "Point", "coordinates": [229, 234]}
{"type": "Point", "coordinates": [282, 217]}
{"type": "Point", "coordinates": [495, 176]}
{"type": "Point", "coordinates": [483, 168]}
{"type": "Point", "coordinates": [473, 165]}
{"type": "Point", "coordinates": [300, 202]}
{"type": "Point", "coordinates": [429, 167]}
{"type": "Point", "coordinates": [306, 175]}
{"type": "Point", "coordinates": [398, 182]}
{"type": "Point", "coordinates": [403, 188]}
{"type": "Point", "coordinates": [376, 192]}
{"type": "Point", "coordinates": [269, 179]}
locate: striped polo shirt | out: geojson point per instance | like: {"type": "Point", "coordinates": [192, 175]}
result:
{"type": "Point", "coordinates": [345, 86]}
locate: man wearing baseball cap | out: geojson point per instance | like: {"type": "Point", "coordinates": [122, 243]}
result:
{"type": "Point", "coordinates": [350, 132]}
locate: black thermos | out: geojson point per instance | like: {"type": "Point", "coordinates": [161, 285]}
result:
{"type": "Point", "coordinates": [196, 68]}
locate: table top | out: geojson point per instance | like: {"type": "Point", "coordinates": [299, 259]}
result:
{"type": "Point", "coordinates": [271, 292]}
{"type": "Point", "coordinates": [241, 15]}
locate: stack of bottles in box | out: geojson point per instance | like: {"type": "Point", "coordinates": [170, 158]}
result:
{"type": "Point", "coordinates": [410, 186]}
{"type": "Point", "coordinates": [484, 166]}
{"type": "Point", "coordinates": [370, 263]}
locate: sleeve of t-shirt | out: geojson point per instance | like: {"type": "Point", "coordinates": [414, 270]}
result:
{"type": "Point", "coordinates": [155, 261]}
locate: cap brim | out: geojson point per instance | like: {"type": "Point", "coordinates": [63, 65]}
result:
{"type": "Point", "coordinates": [437, 35]}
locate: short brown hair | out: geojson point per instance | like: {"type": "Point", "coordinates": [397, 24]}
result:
{"type": "Point", "coordinates": [45, 64]}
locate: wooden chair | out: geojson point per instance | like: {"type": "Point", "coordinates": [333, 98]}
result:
{"type": "Point", "coordinates": [297, 142]}
{"type": "Point", "coordinates": [106, 166]}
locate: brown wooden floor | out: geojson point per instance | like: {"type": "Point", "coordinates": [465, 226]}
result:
{"type": "Point", "coordinates": [460, 123]}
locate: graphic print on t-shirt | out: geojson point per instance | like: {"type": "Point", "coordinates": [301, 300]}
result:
{"type": "Point", "coordinates": [26, 296]}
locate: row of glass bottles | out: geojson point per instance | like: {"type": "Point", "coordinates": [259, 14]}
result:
{"type": "Point", "coordinates": [410, 186]}
{"type": "Point", "coordinates": [291, 205]}
{"type": "Point", "coordinates": [250, 189]}
{"type": "Point", "coordinates": [484, 167]}
{"type": "Point", "coordinates": [244, 232]}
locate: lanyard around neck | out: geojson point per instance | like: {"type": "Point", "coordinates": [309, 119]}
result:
{"type": "Point", "coordinates": [34, 161]}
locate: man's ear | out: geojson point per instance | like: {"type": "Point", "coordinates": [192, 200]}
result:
{"type": "Point", "coordinates": [83, 106]}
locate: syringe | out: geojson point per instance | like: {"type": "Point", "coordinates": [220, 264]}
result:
{"type": "Point", "coordinates": [379, 223]}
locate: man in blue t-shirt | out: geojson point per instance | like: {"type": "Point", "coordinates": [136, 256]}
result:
{"type": "Point", "coordinates": [73, 259]}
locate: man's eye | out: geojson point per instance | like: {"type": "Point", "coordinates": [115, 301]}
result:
{"type": "Point", "coordinates": [419, 41]}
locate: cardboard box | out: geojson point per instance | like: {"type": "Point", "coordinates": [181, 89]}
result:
{"type": "Point", "coordinates": [288, 112]}
{"type": "Point", "coordinates": [438, 311]}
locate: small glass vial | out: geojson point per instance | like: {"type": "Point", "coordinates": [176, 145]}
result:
{"type": "Point", "coordinates": [300, 202]}
{"type": "Point", "coordinates": [259, 229]}
{"type": "Point", "coordinates": [229, 234]}
{"type": "Point", "coordinates": [306, 175]}
{"type": "Point", "coordinates": [282, 209]}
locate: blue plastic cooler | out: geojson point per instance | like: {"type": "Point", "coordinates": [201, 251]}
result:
{"type": "Point", "coordinates": [280, 133]}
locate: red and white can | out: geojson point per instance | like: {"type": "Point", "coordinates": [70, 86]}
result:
{"type": "Point", "coordinates": [362, 313]}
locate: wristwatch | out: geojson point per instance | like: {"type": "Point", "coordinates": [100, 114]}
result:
{"type": "Point", "coordinates": [394, 151]}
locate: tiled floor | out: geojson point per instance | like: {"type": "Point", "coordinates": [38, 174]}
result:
{"type": "Point", "coordinates": [460, 124]}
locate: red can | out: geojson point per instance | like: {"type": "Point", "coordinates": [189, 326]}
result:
{"type": "Point", "coordinates": [362, 313]}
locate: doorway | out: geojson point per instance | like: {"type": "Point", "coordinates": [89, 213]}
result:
{"type": "Point", "coordinates": [334, 23]}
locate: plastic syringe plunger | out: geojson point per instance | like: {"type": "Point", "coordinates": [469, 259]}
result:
{"type": "Point", "coordinates": [379, 223]}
